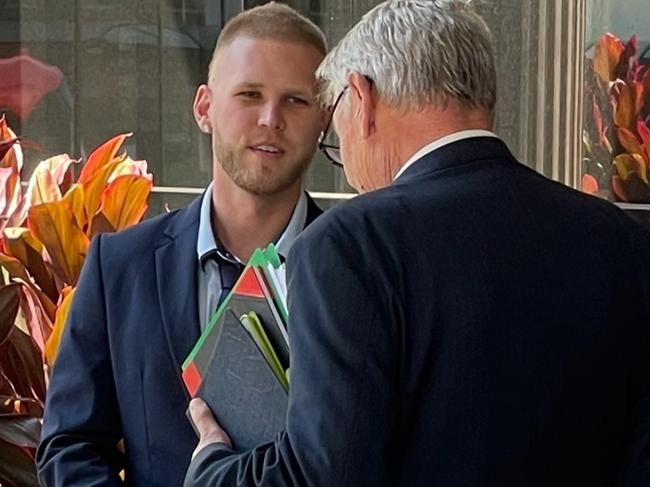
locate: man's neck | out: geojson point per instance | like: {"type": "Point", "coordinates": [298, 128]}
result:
{"type": "Point", "coordinates": [426, 127]}
{"type": "Point", "coordinates": [243, 221]}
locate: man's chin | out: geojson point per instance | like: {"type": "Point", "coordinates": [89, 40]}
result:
{"type": "Point", "coordinates": [264, 179]}
{"type": "Point", "coordinates": [265, 185]}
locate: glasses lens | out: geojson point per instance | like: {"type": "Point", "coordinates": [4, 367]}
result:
{"type": "Point", "coordinates": [332, 145]}
{"type": "Point", "coordinates": [334, 154]}
{"type": "Point", "coordinates": [331, 139]}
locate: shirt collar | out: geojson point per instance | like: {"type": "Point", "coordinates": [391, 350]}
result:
{"type": "Point", "coordinates": [438, 143]}
{"type": "Point", "coordinates": [206, 242]}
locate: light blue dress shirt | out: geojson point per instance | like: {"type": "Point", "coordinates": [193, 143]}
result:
{"type": "Point", "coordinates": [209, 279]}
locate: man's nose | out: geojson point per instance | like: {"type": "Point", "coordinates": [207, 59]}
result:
{"type": "Point", "coordinates": [271, 116]}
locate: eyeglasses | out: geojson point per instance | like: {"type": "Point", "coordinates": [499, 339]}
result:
{"type": "Point", "coordinates": [329, 143]}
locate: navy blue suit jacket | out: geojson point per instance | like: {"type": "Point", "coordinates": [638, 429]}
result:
{"type": "Point", "coordinates": [133, 321]}
{"type": "Point", "coordinates": [473, 324]}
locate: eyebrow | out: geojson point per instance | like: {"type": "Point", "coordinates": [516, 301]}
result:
{"type": "Point", "coordinates": [249, 85]}
{"type": "Point", "coordinates": [289, 91]}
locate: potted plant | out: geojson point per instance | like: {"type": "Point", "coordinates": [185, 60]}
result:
{"type": "Point", "coordinates": [617, 125]}
{"type": "Point", "coordinates": [45, 231]}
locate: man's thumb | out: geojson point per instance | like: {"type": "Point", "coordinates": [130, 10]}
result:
{"type": "Point", "coordinates": [200, 413]}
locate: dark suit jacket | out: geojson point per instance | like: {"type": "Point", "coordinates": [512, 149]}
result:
{"type": "Point", "coordinates": [472, 324]}
{"type": "Point", "coordinates": [133, 321]}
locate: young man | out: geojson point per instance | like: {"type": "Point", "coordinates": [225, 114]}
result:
{"type": "Point", "coordinates": [466, 322]}
{"type": "Point", "coordinates": [145, 294]}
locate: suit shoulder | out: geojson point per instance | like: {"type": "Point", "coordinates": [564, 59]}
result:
{"type": "Point", "coordinates": [600, 211]}
{"type": "Point", "coordinates": [145, 236]}
{"type": "Point", "coordinates": [354, 219]}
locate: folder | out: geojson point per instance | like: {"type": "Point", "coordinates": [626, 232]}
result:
{"type": "Point", "coordinates": [239, 366]}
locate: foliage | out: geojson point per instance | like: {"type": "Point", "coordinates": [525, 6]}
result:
{"type": "Point", "coordinates": [45, 231]}
{"type": "Point", "coordinates": [617, 130]}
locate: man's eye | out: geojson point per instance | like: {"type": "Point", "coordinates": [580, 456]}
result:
{"type": "Point", "coordinates": [249, 94]}
{"type": "Point", "coordinates": [298, 101]}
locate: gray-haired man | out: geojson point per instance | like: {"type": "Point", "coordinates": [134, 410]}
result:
{"type": "Point", "coordinates": [467, 322]}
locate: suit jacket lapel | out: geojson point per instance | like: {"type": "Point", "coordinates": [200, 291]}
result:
{"type": "Point", "coordinates": [176, 276]}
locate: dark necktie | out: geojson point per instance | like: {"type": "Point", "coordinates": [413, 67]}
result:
{"type": "Point", "coordinates": [229, 271]}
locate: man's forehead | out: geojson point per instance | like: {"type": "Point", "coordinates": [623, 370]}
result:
{"type": "Point", "coordinates": [254, 45]}
{"type": "Point", "coordinates": [265, 63]}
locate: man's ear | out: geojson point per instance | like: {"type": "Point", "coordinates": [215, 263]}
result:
{"type": "Point", "coordinates": [363, 102]}
{"type": "Point", "coordinates": [201, 108]}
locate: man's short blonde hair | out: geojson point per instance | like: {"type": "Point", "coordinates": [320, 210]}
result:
{"type": "Point", "coordinates": [273, 21]}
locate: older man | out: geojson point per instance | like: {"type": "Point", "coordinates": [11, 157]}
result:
{"type": "Point", "coordinates": [466, 322]}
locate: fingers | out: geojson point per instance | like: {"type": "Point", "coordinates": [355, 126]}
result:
{"type": "Point", "coordinates": [209, 430]}
{"type": "Point", "coordinates": [202, 416]}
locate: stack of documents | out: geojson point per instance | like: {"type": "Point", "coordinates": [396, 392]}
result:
{"type": "Point", "coordinates": [240, 364]}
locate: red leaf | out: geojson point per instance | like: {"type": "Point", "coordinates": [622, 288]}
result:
{"type": "Point", "coordinates": [38, 321]}
{"type": "Point", "coordinates": [42, 187]}
{"type": "Point", "coordinates": [11, 405]}
{"type": "Point", "coordinates": [623, 67]}
{"type": "Point", "coordinates": [644, 132]}
{"type": "Point", "coordinates": [14, 156]}
{"type": "Point", "coordinates": [60, 167]}
{"type": "Point", "coordinates": [55, 226]}
{"type": "Point", "coordinates": [10, 191]}
{"type": "Point", "coordinates": [625, 103]}
{"type": "Point", "coordinates": [645, 82]}
{"type": "Point", "coordinates": [22, 432]}
{"type": "Point", "coordinates": [17, 467]}
{"type": "Point", "coordinates": [101, 156]}
{"type": "Point", "coordinates": [21, 244]}
{"type": "Point", "coordinates": [6, 145]}
{"type": "Point", "coordinates": [629, 141]}
{"type": "Point", "coordinates": [52, 345]}
{"type": "Point", "coordinates": [14, 267]}
{"type": "Point", "coordinates": [598, 116]}
{"type": "Point", "coordinates": [607, 56]}
{"type": "Point", "coordinates": [100, 224]}
{"type": "Point", "coordinates": [22, 363]}
{"type": "Point", "coordinates": [600, 126]}
{"type": "Point", "coordinates": [589, 184]}
{"type": "Point", "coordinates": [9, 305]}
{"type": "Point", "coordinates": [130, 167]}
{"type": "Point", "coordinates": [125, 200]}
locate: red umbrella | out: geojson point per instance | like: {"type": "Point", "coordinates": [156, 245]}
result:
{"type": "Point", "coordinates": [24, 81]}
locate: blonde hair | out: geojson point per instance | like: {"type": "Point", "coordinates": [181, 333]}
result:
{"type": "Point", "coordinates": [274, 21]}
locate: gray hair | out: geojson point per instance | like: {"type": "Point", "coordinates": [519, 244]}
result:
{"type": "Point", "coordinates": [417, 53]}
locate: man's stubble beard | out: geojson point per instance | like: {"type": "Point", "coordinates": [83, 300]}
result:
{"type": "Point", "coordinates": [261, 183]}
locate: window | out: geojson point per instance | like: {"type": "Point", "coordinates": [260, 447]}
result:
{"type": "Point", "coordinates": [617, 102]}
{"type": "Point", "coordinates": [111, 66]}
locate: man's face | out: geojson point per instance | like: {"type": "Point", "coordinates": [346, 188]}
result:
{"type": "Point", "coordinates": [262, 113]}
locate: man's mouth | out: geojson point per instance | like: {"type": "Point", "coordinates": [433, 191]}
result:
{"type": "Point", "coordinates": [268, 149]}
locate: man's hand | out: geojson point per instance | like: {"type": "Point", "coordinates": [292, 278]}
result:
{"type": "Point", "coordinates": [209, 431]}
